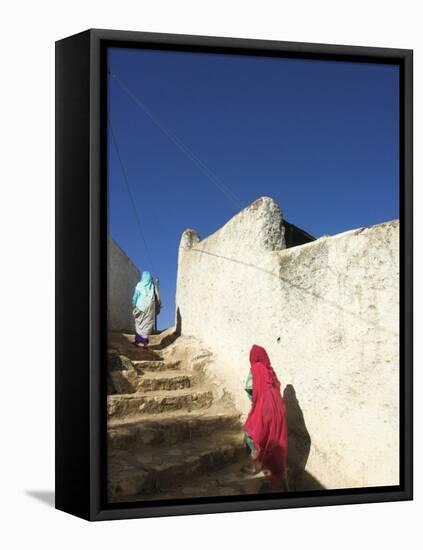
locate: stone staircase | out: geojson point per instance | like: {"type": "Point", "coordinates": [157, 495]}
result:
{"type": "Point", "coordinates": [170, 434]}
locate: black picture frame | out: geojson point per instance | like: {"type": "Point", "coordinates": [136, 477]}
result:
{"type": "Point", "coordinates": [81, 222]}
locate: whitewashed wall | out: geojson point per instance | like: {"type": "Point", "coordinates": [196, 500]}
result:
{"type": "Point", "coordinates": [122, 276]}
{"type": "Point", "coordinates": [327, 312]}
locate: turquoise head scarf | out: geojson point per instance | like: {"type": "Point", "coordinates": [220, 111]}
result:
{"type": "Point", "coordinates": [144, 292]}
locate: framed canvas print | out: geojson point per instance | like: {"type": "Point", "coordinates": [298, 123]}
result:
{"type": "Point", "coordinates": [233, 274]}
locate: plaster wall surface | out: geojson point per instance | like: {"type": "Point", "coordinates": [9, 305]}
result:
{"type": "Point", "coordinates": [122, 276]}
{"type": "Point", "coordinates": [328, 314]}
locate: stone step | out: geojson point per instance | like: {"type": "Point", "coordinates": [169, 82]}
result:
{"type": "Point", "coordinates": [163, 339]}
{"type": "Point", "coordinates": [164, 380]}
{"type": "Point", "coordinates": [161, 468]}
{"type": "Point", "coordinates": [160, 337]}
{"type": "Point", "coordinates": [124, 345]}
{"type": "Point", "coordinates": [158, 401]}
{"type": "Point", "coordinates": [233, 481]}
{"type": "Point", "coordinates": [170, 428]}
{"type": "Point", "coordinates": [227, 481]}
{"type": "Point", "coordinates": [154, 366]}
{"type": "Point", "coordinates": [157, 341]}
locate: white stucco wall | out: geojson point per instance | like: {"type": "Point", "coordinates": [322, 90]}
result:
{"type": "Point", "coordinates": [328, 314]}
{"type": "Point", "coordinates": [122, 276]}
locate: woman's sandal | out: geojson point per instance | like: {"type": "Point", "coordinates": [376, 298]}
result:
{"type": "Point", "coordinates": [251, 469]}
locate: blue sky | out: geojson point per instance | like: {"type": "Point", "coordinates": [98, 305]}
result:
{"type": "Point", "coordinates": [319, 137]}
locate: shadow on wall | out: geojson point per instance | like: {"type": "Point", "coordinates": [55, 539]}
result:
{"type": "Point", "coordinates": [299, 443]}
{"type": "Point", "coordinates": [170, 337]}
{"type": "Point", "coordinates": [178, 329]}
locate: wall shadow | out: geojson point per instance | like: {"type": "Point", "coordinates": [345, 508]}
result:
{"type": "Point", "coordinates": [169, 338]}
{"type": "Point", "coordinates": [299, 444]}
{"type": "Point", "coordinates": [178, 329]}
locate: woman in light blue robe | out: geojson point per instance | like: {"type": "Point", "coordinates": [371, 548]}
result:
{"type": "Point", "coordinates": [146, 303]}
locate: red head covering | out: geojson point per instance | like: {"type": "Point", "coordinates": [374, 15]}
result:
{"type": "Point", "coordinates": [258, 355]}
{"type": "Point", "coordinates": [266, 422]}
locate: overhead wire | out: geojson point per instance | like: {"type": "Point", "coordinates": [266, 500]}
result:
{"type": "Point", "coordinates": [131, 197]}
{"type": "Point", "coordinates": [223, 188]}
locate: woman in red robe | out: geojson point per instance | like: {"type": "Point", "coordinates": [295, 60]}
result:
{"type": "Point", "coordinates": [265, 426]}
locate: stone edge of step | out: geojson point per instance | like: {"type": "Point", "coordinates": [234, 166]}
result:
{"type": "Point", "coordinates": [159, 393]}
{"type": "Point", "coordinates": [133, 467]}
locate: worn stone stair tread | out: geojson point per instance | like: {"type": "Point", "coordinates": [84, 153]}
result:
{"type": "Point", "coordinates": [158, 459]}
{"type": "Point", "coordinates": [165, 380]}
{"type": "Point", "coordinates": [156, 338]}
{"type": "Point", "coordinates": [162, 338]}
{"type": "Point", "coordinates": [124, 345]}
{"type": "Point", "coordinates": [153, 338]}
{"type": "Point", "coordinates": [158, 468]}
{"type": "Point", "coordinates": [155, 365]}
{"type": "Point", "coordinates": [228, 481]}
{"type": "Point", "coordinates": [175, 416]}
{"type": "Point", "coordinates": [186, 448]}
{"type": "Point", "coordinates": [158, 401]}
{"type": "Point", "coordinates": [170, 428]}
{"type": "Point", "coordinates": [168, 373]}
{"type": "Point", "coordinates": [243, 483]}
{"type": "Point", "coordinates": [158, 394]}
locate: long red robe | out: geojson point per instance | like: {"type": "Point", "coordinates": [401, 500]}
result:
{"type": "Point", "coordinates": [266, 422]}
